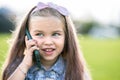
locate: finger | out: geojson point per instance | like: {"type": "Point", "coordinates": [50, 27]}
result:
{"type": "Point", "coordinates": [26, 39]}
{"type": "Point", "coordinates": [30, 43]}
{"type": "Point", "coordinates": [31, 50]}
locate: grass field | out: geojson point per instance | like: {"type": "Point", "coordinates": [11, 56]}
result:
{"type": "Point", "coordinates": [3, 46]}
{"type": "Point", "coordinates": [102, 56]}
{"type": "Point", "coordinates": [3, 49]}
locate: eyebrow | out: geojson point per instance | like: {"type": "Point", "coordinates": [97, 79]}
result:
{"type": "Point", "coordinates": [52, 31]}
{"type": "Point", "coordinates": [58, 31]}
{"type": "Point", "coordinates": [38, 31]}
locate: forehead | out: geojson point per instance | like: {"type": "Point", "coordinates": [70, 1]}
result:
{"type": "Point", "coordinates": [46, 22]}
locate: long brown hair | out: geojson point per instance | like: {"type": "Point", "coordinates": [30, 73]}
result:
{"type": "Point", "coordinates": [75, 64]}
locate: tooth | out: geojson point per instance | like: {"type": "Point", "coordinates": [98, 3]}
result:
{"type": "Point", "coordinates": [49, 49]}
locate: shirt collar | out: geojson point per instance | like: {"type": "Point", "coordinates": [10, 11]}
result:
{"type": "Point", "coordinates": [58, 67]}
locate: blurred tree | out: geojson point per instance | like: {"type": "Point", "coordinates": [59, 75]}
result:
{"type": "Point", "coordinates": [83, 27]}
{"type": "Point", "coordinates": [7, 18]}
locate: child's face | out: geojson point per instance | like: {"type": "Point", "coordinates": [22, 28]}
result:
{"type": "Point", "coordinates": [49, 34]}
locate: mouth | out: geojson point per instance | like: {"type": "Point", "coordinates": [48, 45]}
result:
{"type": "Point", "coordinates": [48, 51]}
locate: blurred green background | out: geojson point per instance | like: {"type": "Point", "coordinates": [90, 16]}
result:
{"type": "Point", "coordinates": [102, 55]}
{"type": "Point", "coordinates": [98, 32]}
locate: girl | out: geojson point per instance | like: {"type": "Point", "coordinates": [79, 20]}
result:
{"type": "Point", "coordinates": [54, 37]}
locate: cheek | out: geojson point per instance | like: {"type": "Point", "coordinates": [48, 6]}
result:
{"type": "Point", "coordinates": [60, 43]}
{"type": "Point", "coordinates": [39, 41]}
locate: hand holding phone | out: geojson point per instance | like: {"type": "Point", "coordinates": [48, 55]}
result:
{"type": "Point", "coordinates": [36, 54]}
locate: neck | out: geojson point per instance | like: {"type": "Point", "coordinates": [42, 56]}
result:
{"type": "Point", "coordinates": [47, 64]}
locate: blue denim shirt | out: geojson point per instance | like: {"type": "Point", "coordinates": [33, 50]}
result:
{"type": "Point", "coordinates": [56, 72]}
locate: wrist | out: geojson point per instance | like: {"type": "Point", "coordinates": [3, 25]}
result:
{"type": "Point", "coordinates": [25, 64]}
{"type": "Point", "coordinates": [23, 68]}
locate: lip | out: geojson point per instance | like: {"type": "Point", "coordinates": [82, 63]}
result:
{"type": "Point", "coordinates": [48, 51]}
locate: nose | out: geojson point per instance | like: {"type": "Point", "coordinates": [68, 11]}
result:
{"type": "Point", "coordinates": [48, 41]}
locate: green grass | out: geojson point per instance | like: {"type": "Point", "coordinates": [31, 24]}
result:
{"type": "Point", "coordinates": [4, 38]}
{"type": "Point", "coordinates": [102, 56]}
{"type": "Point", "coordinates": [3, 48]}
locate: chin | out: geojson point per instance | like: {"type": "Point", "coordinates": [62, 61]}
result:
{"type": "Point", "coordinates": [49, 58]}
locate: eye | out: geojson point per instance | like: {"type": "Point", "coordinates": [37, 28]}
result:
{"type": "Point", "coordinates": [40, 34]}
{"type": "Point", "coordinates": [56, 34]}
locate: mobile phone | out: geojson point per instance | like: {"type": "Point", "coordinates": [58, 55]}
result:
{"type": "Point", "coordinates": [36, 53]}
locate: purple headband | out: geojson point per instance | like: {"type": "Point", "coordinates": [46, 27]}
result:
{"type": "Point", "coordinates": [60, 9]}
